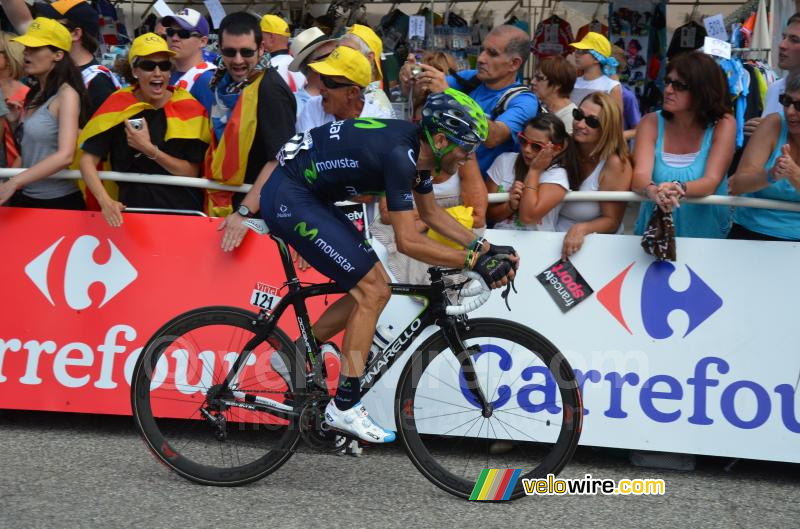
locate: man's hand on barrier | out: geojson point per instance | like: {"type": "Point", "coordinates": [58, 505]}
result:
{"type": "Point", "coordinates": [235, 230]}
{"type": "Point", "coordinates": [112, 212]}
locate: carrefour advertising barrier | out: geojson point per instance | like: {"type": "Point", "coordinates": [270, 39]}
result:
{"type": "Point", "coordinates": [697, 356]}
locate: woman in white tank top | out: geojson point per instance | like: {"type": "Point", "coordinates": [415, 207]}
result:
{"type": "Point", "coordinates": [604, 166]}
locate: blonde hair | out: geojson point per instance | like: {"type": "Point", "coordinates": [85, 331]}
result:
{"type": "Point", "coordinates": [611, 125]}
{"type": "Point", "coordinates": [13, 52]}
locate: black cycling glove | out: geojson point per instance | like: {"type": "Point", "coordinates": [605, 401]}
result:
{"type": "Point", "coordinates": [492, 268]}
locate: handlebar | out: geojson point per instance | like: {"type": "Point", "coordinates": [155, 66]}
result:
{"type": "Point", "coordinates": [476, 289]}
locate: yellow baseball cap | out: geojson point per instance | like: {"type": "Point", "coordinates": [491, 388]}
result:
{"type": "Point", "coordinates": [45, 32]}
{"type": "Point", "coordinates": [346, 62]}
{"type": "Point", "coordinates": [594, 41]}
{"type": "Point", "coordinates": [274, 24]}
{"type": "Point", "coordinates": [148, 44]}
{"type": "Point", "coordinates": [373, 41]}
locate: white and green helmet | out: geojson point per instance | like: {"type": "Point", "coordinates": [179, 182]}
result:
{"type": "Point", "coordinates": [456, 115]}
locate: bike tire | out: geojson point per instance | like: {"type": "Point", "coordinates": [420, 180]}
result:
{"type": "Point", "coordinates": [430, 399]}
{"type": "Point", "coordinates": [202, 344]}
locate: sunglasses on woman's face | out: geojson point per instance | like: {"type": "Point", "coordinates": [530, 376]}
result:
{"type": "Point", "coordinates": [150, 66]}
{"type": "Point", "coordinates": [678, 86]}
{"type": "Point", "coordinates": [787, 102]}
{"type": "Point", "coordinates": [524, 141]}
{"type": "Point", "coordinates": [246, 53]}
{"type": "Point", "coordinates": [591, 121]}
{"type": "Point", "coordinates": [182, 33]}
{"type": "Point", "coordinates": [332, 84]}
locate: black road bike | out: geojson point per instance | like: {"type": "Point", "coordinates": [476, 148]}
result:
{"type": "Point", "coordinates": [477, 393]}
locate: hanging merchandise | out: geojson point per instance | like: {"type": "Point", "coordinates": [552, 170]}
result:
{"type": "Point", "coordinates": [630, 29]}
{"type": "Point", "coordinates": [595, 26]}
{"type": "Point", "coordinates": [552, 37]}
{"type": "Point", "coordinates": [650, 99]}
{"type": "Point", "coordinates": [687, 37]}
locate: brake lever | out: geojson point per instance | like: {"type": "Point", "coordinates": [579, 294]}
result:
{"type": "Point", "coordinates": [507, 291]}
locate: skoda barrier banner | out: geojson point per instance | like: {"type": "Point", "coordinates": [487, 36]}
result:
{"type": "Point", "coordinates": [697, 356]}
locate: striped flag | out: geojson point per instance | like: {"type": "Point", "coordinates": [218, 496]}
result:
{"type": "Point", "coordinates": [495, 484]}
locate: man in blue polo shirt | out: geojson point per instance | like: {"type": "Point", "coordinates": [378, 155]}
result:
{"type": "Point", "coordinates": [504, 53]}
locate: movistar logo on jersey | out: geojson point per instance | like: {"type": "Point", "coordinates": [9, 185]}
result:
{"type": "Point", "coordinates": [341, 163]}
{"type": "Point", "coordinates": [303, 230]}
{"type": "Point", "coordinates": [369, 123]}
{"type": "Point", "coordinates": [311, 173]}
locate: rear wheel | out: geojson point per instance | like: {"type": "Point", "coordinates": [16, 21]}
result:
{"type": "Point", "coordinates": [533, 426]}
{"type": "Point", "coordinates": [206, 434]}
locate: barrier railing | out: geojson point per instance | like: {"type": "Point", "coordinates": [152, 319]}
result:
{"type": "Point", "coordinates": [572, 196]}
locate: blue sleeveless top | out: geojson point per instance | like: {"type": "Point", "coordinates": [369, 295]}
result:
{"type": "Point", "coordinates": [691, 220]}
{"type": "Point", "coordinates": [781, 224]}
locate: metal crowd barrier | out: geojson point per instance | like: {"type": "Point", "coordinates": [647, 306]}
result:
{"type": "Point", "coordinates": [572, 196]}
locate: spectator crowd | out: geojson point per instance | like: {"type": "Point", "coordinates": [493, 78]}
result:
{"type": "Point", "coordinates": [171, 111]}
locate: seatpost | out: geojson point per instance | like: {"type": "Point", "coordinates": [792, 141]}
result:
{"type": "Point", "coordinates": [288, 264]}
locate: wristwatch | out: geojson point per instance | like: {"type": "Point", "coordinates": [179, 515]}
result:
{"type": "Point", "coordinates": [244, 211]}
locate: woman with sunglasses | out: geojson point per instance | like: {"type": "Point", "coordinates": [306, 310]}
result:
{"type": "Point", "coordinates": [51, 117]}
{"type": "Point", "coordinates": [553, 84]}
{"type": "Point", "coordinates": [148, 128]}
{"type": "Point", "coordinates": [536, 178]}
{"type": "Point", "coordinates": [770, 168]}
{"type": "Point", "coordinates": [686, 148]}
{"type": "Point", "coordinates": [603, 165]}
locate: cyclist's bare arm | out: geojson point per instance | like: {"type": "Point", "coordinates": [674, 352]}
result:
{"type": "Point", "coordinates": [419, 246]}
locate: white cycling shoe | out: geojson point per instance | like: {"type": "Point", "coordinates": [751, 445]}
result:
{"type": "Point", "coordinates": [356, 421]}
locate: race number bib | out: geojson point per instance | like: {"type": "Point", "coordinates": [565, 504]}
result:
{"type": "Point", "coordinates": [265, 297]}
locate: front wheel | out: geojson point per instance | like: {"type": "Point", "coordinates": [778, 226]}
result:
{"type": "Point", "coordinates": [533, 425]}
{"type": "Point", "coordinates": [191, 422]}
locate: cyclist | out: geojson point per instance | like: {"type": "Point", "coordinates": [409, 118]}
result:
{"type": "Point", "coordinates": [368, 156]}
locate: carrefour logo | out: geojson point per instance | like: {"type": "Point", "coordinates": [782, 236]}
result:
{"type": "Point", "coordinates": [658, 299]}
{"type": "Point", "coordinates": [82, 271]}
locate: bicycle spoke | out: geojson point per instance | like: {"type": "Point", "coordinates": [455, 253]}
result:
{"type": "Point", "coordinates": [445, 402]}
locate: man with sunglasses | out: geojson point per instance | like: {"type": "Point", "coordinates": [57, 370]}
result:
{"type": "Point", "coordinates": [359, 156]}
{"type": "Point", "coordinates": [83, 23]}
{"type": "Point", "coordinates": [342, 76]}
{"type": "Point", "coordinates": [187, 36]}
{"type": "Point", "coordinates": [788, 60]}
{"type": "Point", "coordinates": [309, 46]}
{"type": "Point", "coordinates": [252, 116]}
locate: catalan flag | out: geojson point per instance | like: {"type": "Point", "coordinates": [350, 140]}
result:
{"type": "Point", "coordinates": [226, 161]}
{"type": "Point", "coordinates": [495, 484]}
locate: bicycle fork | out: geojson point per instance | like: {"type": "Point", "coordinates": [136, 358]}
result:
{"type": "Point", "coordinates": [464, 356]}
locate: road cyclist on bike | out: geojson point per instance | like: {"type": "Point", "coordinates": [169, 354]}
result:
{"type": "Point", "coordinates": [369, 156]}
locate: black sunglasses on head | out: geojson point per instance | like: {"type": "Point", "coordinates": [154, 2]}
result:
{"type": "Point", "coordinates": [182, 33]}
{"type": "Point", "coordinates": [678, 86]}
{"type": "Point", "coordinates": [246, 53]}
{"type": "Point", "coordinates": [591, 121]}
{"type": "Point", "coordinates": [150, 66]}
{"type": "Point", "coordinates": [787, 101]}
{"type": "Point", "coordinates": [332, 84]}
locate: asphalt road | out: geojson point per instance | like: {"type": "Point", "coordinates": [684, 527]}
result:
{"type": "Point", "coordinates": [74, 471]}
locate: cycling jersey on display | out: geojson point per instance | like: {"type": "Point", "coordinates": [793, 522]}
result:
{"type": "Point", "coordinates": [335, 162]}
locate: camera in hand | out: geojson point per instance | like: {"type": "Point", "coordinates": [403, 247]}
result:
{"type": "Point", "coordinates": [137, 123]}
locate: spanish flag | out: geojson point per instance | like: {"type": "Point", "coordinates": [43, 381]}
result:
{"type": "Point", "coordinates": [226, 160]}
{"type": "Point", "coordinates": [186, 117]}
